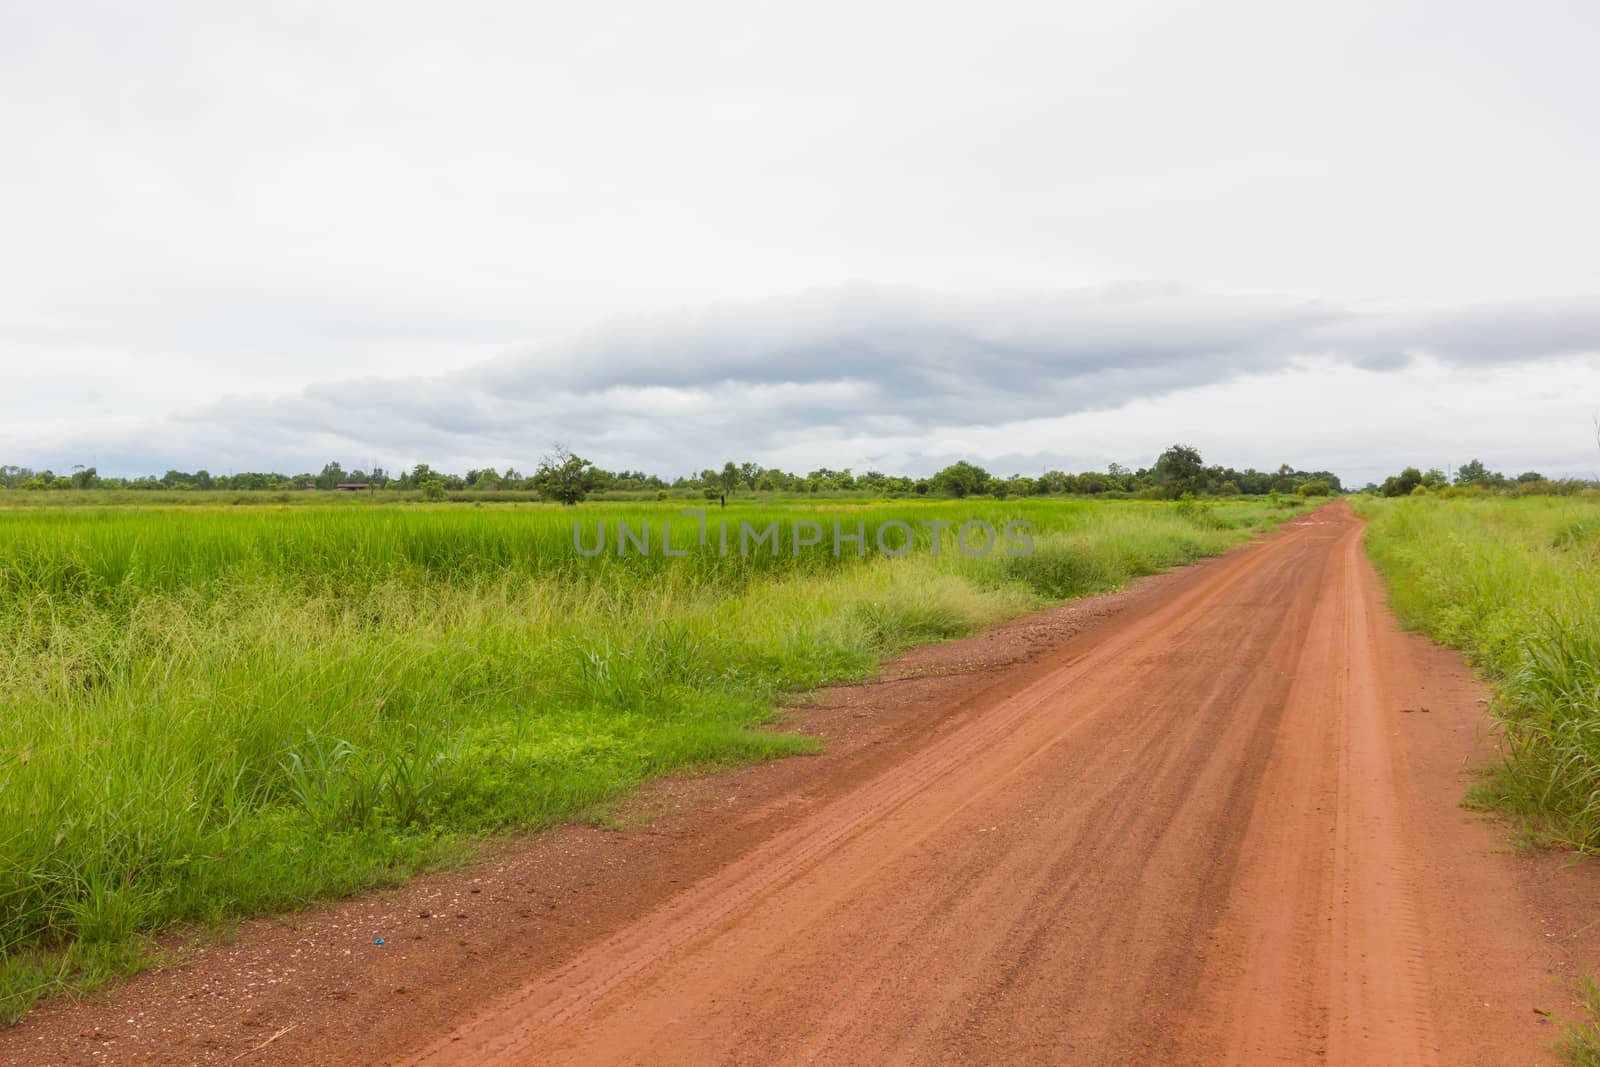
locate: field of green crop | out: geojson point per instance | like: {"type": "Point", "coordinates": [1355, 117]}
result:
{"type": "Point", "coordinates": [207, 713]}
{"type": "Point", "coordinates": [1516, 584]}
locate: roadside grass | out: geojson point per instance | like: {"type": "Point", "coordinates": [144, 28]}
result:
{"type": "Point", "coordinates": [1580, 1040]}
{"type": "Point", "coordinates": [210, 713]}
{"type": "Point", "coordinates": [1516, 585]}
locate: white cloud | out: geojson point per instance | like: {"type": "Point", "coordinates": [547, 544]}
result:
{"type": "Point", "coordinates": [205, 201]}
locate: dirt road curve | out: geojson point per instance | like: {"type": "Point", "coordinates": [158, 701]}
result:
{"type": "Point", "coordinates": [1186, 836]}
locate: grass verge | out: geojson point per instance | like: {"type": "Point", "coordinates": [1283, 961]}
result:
{"type": "Point", "coordinates": [1516, 585]}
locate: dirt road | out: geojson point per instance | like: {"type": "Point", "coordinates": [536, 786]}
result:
{"type": "Point", "coordinates": [1185, 836]}
{"type": "Point", "coordinates": [1214, 819]}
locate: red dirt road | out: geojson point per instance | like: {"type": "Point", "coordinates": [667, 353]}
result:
{"type": "Point", "coordinates": [1187, 836]}
{"type": "Point", "coordinates": [1212, 819]}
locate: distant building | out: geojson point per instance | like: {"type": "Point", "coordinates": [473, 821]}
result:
{"type": "Point", "coordinates": [353, 487]}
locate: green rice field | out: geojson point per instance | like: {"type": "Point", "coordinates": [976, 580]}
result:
{"type": "Point", "coordinates": [212, 712]}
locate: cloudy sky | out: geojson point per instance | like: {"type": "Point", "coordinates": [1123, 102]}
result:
{"type": "Point", "coordinates": [888, 235]}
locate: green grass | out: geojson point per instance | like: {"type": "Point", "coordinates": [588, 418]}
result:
{"type": "Point", "coordinates": [209, 713]}
{"type": "Point", "coordinates": [1515, 584]}
{"type": "Point", "coordinates": [1580, 1039]}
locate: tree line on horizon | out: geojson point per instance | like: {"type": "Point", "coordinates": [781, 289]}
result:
{"type": "Point", "coordinates": [1473, 475]}
{"type": "Point", "coordinates": [564, 476]}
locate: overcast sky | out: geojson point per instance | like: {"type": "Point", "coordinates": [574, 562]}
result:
{"type": "Point", "coordinates": [859, 234]}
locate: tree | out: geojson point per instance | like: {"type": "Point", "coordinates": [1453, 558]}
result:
{"type": "Point", "coordinates": [1181, 470]}
{"type": "Point", "coordinates": [1092, 482]}
{"type": "Point", "coordinates": [729, 479]}
{"type": "Point", "coordinates": [433, 489]}
{"type": "Point", "coordinates": [960, 479]}
{"type": "Point", "coordinates": [1403, 483]}
{"type": "Point", "coordinates": [1471, 471]}
{"type": "Point", "coordinates": [331, 476]}
{"type": "Point", "coordinates": [1316, 488]}
{"type": "Point", "coordinates": [750, 474]}
{"type": "Point", "coordinates": [564, 476]}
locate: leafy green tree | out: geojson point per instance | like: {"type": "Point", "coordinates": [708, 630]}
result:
{"type": "Point", "coordinates": [332, 474]}
{"type": "Point", "coordinates": [960, 479]}
{"type": "Point", "coordinates": [433, 489]}
{"type": "Point", "coordinates": [1315, 488]}
{"type": "Point", "coordinates": [728, 480]}
{"type": "Point", "coordinates": [1181, 470]}
{"type": "Point", "coordinates": [564, 476]}
{"type": "Point", "coordinates": [1403, 483]}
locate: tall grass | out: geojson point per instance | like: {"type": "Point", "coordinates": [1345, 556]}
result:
{"type": "Point", "coordinates": [1516, 584]}
{"type": "Point", "coordinates": [209, 713]}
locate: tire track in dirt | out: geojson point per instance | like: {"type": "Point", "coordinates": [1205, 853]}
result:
{"type": "Point", "coordinates": [1335, 959]}
{"type": "Point", "coordinates": [1189, 818]}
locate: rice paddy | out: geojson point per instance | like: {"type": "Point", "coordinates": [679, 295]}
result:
{"type": "Point", "coordinates": [212, 712]}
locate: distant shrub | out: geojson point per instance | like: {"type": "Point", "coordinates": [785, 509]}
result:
{"type": "Point", "coordinates": [1315, 488]}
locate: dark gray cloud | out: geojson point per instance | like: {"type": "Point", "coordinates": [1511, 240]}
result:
{"type": "Point", "coordinates": [889, 369]}
{"type": "Point", "coordinates": [922, 351]}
